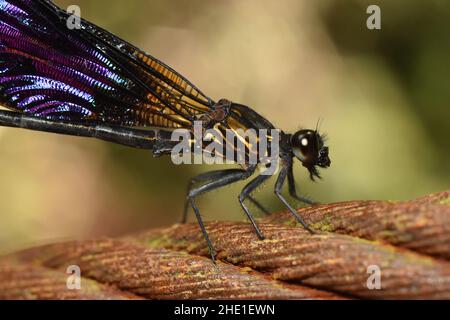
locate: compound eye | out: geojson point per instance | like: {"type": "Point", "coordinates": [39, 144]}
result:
{"type": "Point", "coordinates": [304, 144]}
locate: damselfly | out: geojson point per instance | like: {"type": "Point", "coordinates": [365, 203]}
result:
{"type": "Point", "coordinates": [85, 81]}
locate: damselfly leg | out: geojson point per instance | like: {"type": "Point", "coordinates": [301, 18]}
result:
{"type": "Point", "coordinates": [248, 189]}
{"type": "Point", "coordinates": [204, 178]}
{"type": "Point", "coordinates": [258, 205]}
{"type": "Point", "coordinates": [211, 249]}
{"type": "Point", "coordinates": [278, 187]}
{"type": "Point", "coordinates": [210, 181]}
{"type": "Point", "coordinates": [211, 175]}
{"type": "Point", "coordinates": [293, 191]}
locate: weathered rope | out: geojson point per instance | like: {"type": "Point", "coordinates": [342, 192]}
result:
{"type": "Point", "coordinates": [408, 242]}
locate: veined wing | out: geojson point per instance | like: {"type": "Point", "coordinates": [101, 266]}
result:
{"type": "Point", "coordinates": [53, 72]}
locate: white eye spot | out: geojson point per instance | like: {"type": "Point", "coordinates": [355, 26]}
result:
{"type": "Point", "coordinates": [304, 142]}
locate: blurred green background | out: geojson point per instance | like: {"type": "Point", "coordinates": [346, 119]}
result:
{"type": "Point", "coordinates": [383, 95]}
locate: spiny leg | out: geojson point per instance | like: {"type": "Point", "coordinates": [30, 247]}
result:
{"type": "Point", "coordinates": [278, 187]}
{"type": "Point", "coordinates": [248, 189]}
{"type": "Point", "coordinates": [292, 190]}
{"type": "Point", "coordinates": [207, 176]}
{"type": "Point", "coordinates": [211, 249]}
{"type": "Point", "coordinates": [202, 179]}
{"type": "Point", "coordinates": [209, 182]}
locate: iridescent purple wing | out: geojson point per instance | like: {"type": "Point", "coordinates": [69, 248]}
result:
{"type": "Point", "coordinates": [54, 72]}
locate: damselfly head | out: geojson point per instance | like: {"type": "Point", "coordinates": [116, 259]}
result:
{"type": "Point", "coordinates": [308, 146]}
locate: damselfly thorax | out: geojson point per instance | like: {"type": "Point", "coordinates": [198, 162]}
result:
{"type": "Point", "coordinates": [226, 135]}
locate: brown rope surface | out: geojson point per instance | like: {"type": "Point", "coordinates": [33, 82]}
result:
{"type": "Point", "coordinates": [409, 242]}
